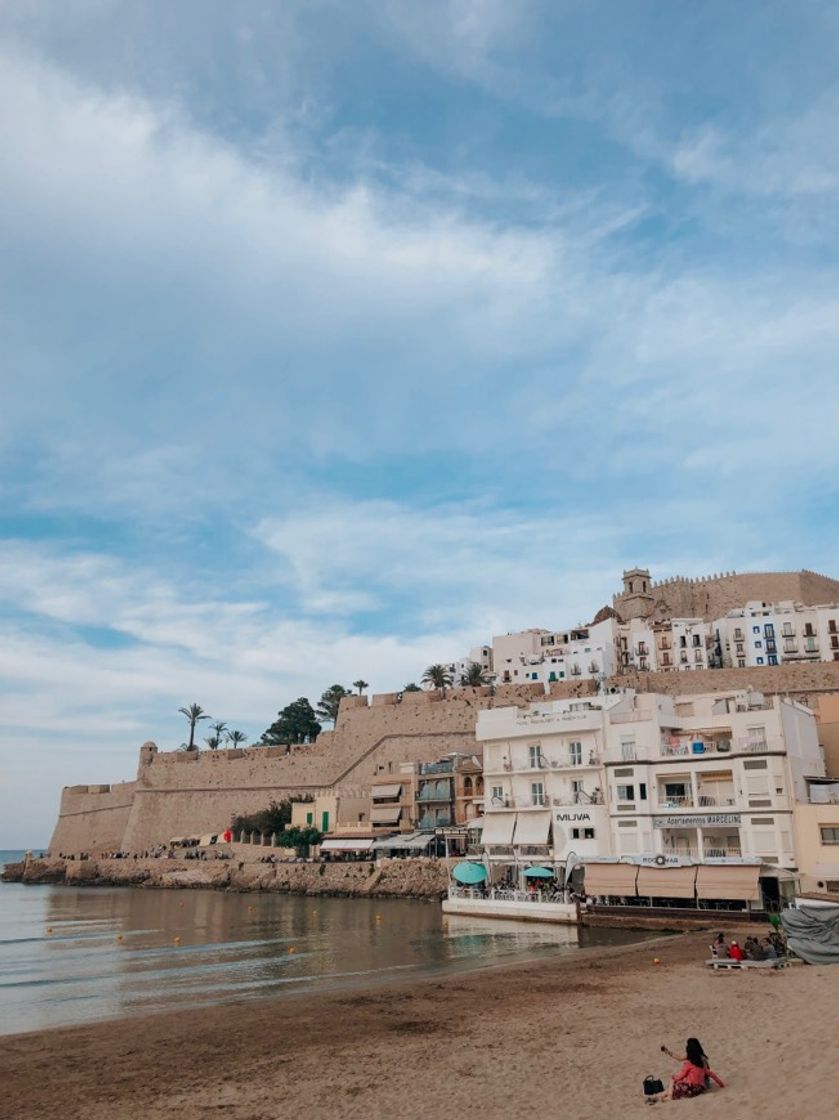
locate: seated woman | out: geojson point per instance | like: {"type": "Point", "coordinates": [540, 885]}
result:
{"type": "Point", "coordinates": [692, 1078]}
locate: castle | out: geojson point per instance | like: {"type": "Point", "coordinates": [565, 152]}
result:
{"type": "Point", "coordinates": [189, 793]}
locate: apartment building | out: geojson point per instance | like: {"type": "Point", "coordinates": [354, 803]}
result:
{"type": "Point", "coordinates": [648, 776]}
{"type": "Point", "coordinates": [544, 778]}
{"type": "Point", "coordinates": [817, 836]}
{"type": "Point", "coordinates": [710, 777]}
{"type": "Point", "coordinates": [428, 795]}
{"type": "Point", "coordinates": [777, 633]}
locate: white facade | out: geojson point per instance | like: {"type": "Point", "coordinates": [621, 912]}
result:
{"type": "Point", "coordinates": [777, 633]}
{"type": "Point", "coordinates": [709, 777]}
{"type": "Point", "coordinates": [544, 778]}
{"type": "Point", "coordinates": [697, 778]}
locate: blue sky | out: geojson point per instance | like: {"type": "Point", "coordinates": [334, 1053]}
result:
{"type": "Point", "coordinates": [340, 336]}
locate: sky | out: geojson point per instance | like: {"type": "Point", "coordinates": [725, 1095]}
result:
{"type": "Point", "coordinates": [336, 337]}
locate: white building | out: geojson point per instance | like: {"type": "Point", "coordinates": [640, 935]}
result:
{"type": "Point", "coordinates": [710, 776]}
{"type": "Point", "coordinates": [708, 779]}
{"type": "Point", "coordinates": [545, 656]}
{"type": "Point", "coordinates": [544, 779]}
{"type": "Point", "coordinates": [776, 634]}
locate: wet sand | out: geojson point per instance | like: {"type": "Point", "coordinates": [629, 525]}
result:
{"type": "Point", "coordinates": [564, 1037]}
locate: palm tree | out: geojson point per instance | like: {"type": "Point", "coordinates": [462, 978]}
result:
{"type": "Point", "coordinates": [213, 742]}
{"type": "Point", "coordinates": [474, 676]}
{"type": "Point", "coordinates": [360, 685]}
{"type": "Point", "coordinates": [193, 713]}
{"type": "Point", "coordinates": [218, 729]}
{"type": "Point", "coordinates": [236, 738]}
{"type": "Point", "coordinates": [437, 676]}
{"type": "Point", "coordinates": [411, 686]}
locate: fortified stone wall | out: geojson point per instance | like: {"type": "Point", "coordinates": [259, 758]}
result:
{"type": "Point", "coordinates": [93, 817]}
{"type": "Point", "coordinates": [801, 682]}
{"type": "Point", "coordinates": [714, 596]}
{"type": "Point", "coordinates": [184, 793]}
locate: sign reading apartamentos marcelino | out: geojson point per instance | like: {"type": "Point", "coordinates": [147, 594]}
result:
{"type": "Point", "coordinates": [700, 820]}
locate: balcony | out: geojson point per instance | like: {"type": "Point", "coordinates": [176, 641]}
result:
{"type": "Point", "coordinates": [435, 768]}
{"type": "Point", "coordinates": [721, 851]}
{"type": "Point", "coordinates": [679, 801]}
{"type": "Point", "coordinates": [670, 748]}
{"type": "Point", "coordinates": [722, 796]}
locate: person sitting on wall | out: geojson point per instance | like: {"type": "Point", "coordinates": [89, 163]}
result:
{"type": "Point", "coordinates": [735, 952]}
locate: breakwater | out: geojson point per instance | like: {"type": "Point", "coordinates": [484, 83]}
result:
{"type": "Point", "coordinates": [387, 878]}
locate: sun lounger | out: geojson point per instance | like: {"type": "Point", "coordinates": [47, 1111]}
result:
{"type": "Point", "coordinates": [727, 963]}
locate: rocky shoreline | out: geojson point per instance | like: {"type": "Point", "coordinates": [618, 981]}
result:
{"type": "Point", "coordinates": [394, 878]}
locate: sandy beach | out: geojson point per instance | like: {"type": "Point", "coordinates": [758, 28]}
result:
{"type": "Point", "coordinates": [567, 1037]}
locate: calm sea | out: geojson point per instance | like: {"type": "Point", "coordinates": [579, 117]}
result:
{"type": "Point", "coordinates": [70, 955]}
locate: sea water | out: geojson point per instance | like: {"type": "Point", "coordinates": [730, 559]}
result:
{"type": "Point", "coordinates": [80, 954]}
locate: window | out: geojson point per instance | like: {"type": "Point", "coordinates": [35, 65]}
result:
{"type": "Point", "coordinates": [642, 791]}
{"type": "Point", "coordinates": [759, 660]}
{"type": "Point", "coordinates": [758, 645]}
{"type": "Point", "coordinates": [738, 634]}
{"type": "Point", "coordinates": [755, 764]}
{"type": "Point", "coordinates": [696, 640]}
{"type": "Point", "coordinates": [588, 834]}
{"type": "Point", "coordinates": [535, 755]}
{"type": "Point", "coordinates": [627, 752]}
{"type": "Point", "coordinates": [537, 793]}
{"type": "Point", "coordinates": [626, 793]}
{"type": "Point", "coordinates": [810, 645]}
{"type": "Point", "coordinates": [755, 629]}
{"type": "Point", "coordinates": [830, 834]}
{"type": "Point", "coordinates": [575, 751]}
{"type": "Point", "coordinates": [309, 818]}
{"type": "Point", "coordinates": [772, 659]}
{"type": "Point", "coordinates": [497, 793]}
{"type": "Point", "coordinates": [741, 648]}
{"type": "Point", "coordinates": [741, 663]}
{"type": "Point", "coordinates": [625, 772]}
{"type": "Point", "coordinates": [788, 631]}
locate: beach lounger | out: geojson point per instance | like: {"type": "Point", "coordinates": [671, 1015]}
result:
{"type": "Point", "coordinates": [726, 963]}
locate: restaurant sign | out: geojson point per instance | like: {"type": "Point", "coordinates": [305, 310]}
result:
{"type": "Point", "coordinates": [698, 820]}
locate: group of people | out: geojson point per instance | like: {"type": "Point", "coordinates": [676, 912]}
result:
{"type": "Point", "coordinates": [694, 1077]}
{"type": "Point", "coordinates": [753, 948]}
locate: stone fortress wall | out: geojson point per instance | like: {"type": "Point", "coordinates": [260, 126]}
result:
{"type": "Point", "coordinates": [181, 794]}
{"type": "Point", "coordinates": [711, 597]}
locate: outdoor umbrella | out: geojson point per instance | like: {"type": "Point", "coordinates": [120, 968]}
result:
{"type": "Point", "coordinates": [539, 873]}
{"type": "Point", "coordinates": [469, 872]}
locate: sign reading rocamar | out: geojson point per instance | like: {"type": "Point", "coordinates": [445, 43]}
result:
{"type": "Point", "coordinates": [699, 820]}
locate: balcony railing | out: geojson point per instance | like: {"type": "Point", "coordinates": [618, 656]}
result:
{"type": "Point", "coordinates": [709, 800]}
{"type": "Point", "coordinates": [435, 768]}
{"type": "Point", "coordinates": [721, 851]}
{"type": "Point", "coordinates": [682, 801]}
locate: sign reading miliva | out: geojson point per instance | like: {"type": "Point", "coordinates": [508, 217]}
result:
{"type": "Point", "coordinates": [700, 820]}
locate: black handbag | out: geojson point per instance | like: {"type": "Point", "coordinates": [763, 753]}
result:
{"type": "Point", "coordinates": [652, 1085]}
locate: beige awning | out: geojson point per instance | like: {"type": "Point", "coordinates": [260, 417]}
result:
{"type": "Point", "coordinates": [498, 828]}
{"type": "Point", "coordinates": [381, 792]}
{"type": "Point", "coordinates": [385, 814]}
{"type": "Point", "coordinates": [666, 882]}
{"type": "Point", "coordinates": [735, 881]}
{"type": "Point", "coordinates": [532, 828]}
{"type": "Point", "coordinates": [610, 878]}
{"type": "Point", "coordinates": [362, 844]}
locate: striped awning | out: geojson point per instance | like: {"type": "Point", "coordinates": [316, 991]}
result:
{"type": "Point", "coordinates": [610, 879]}
{"type": "Point", "coordinates": [498, 829]}
{"type": "Point", "coordinates": [666, 882]}
{"type": "Point", "coordinates": [385, 814]}
{"type": "Point", "coordinates": [349, 844]}
{"type": "Point", "coordinates": [380, 793]}
{"type": "Point", "coordinates": [532, 828]}
{"type": "Point", "coordinates": [732, 881]}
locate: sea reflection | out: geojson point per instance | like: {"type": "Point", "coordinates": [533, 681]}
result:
{"type": "Point", "coordinates": [75, 955]}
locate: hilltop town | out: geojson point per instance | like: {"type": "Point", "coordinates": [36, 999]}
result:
{"type": "Point", "coordinates": [627, 736]}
